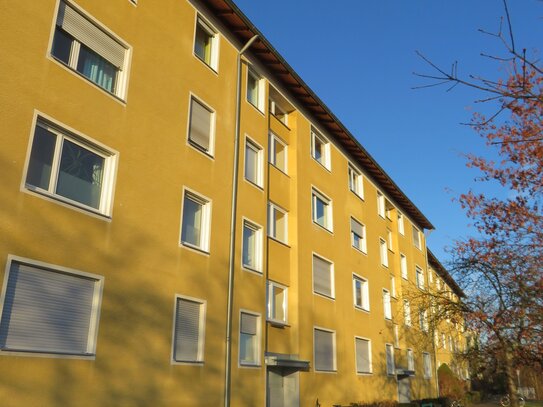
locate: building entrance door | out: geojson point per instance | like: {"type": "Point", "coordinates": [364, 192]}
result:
{"type": "Point", "coordinates": [404, 390]}
{"type": "Point", "coordinates": [282, 387]}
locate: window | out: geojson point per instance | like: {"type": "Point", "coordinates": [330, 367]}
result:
{"type": "Point", "coordinates": [355, 181]}
{"type": "Point", "coordinates": [320, 149]}
{"type": "Point", "coordinates": [323, 277]}
{"type": "Point", "coordinates": [361, 293]}
{"type": "Point", "coordinates": [71, 169]}
{"type": "Point", "coordinates": [90, 50]}
{"type": "Point", "coordinates": [255, 90]}
{"type": "Point", "coordinates": [443, 341]}
{"type": "Point", "coordinates": [403, 266]}
{"type": "Point", "coordinates": [386, 304]}
{"type": "Point", "coordinates": [410, 360]}
{"type": "Point", "coordinates": [430, 277]}
{"type": "Point", "coordinates": [423, 320]}
{"type": "Point", "coordinates": [249, 339]}
{"type": "Point", "coordinates": [392, 285]}
{"type": "Point", "coordinates": [396, 336]}
{"type": "Point", "coordinates": [252, 246]}
{"type": "Point", "coordinates": [189, 327]}
{"type": "Point", "coordinates": [277, 110]}
{"type": "Point", "coordinates": [253, 163]}
{"type": "Point", "coordinates": [195, 221]}
{"type": "Point", "coordinates": [277, 302]}
{"type": "Point", "coordinates": [325, 350]}
{"type": "Point", "coordinates": [383, 251]}
{"type": "Point", "coordinates": [50, 310]}
{"type": "Point", "coordinates": [390, 240]}
{"type": "Point", "coordinates": [406, 313]}
{"type": "Point", "coordinates": [391, 367]}
{"type": "Point", "coordinates": [358, 236]}
{"type": "Point", "coordinates": [322, 209]}
{"type": "Point", "coordinates": [278, 153]}
{"type": "Point", "coordinates": [380, 204]}
{"type": "Point", "coordinates": [279, 106]}
{"type": "Point", "coordinates": [416, 237]}
{"type": "Point", "coordinates": [427, 362]}
{"type": "Point", "coordinates": [201, 126]}
{"type": "Point", "coordinates": [277, 223]}
{"type": "Point", "coordinates": [401, 226]}
{"type": "Point", "coordinates": [419, 277]}
{"type": "Point", "coordinates": [206, 43]}
{"type": "Point", "coordinates": [363, 355]}
{"type": "Point", "coordinates": [438, 283]}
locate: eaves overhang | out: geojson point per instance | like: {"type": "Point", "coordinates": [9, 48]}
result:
{"type": "Point", "coordinates": [242, 28]}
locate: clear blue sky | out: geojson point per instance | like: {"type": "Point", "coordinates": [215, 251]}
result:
{"type": "Point", "coordinates": [359, 57]}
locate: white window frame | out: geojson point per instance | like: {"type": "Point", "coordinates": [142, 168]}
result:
{"type": "Point", "coordinates": [63, 132]}
{"type": "Point", "coordinates": [410, 359]}
{"type": "Point", "coordinates": [213, 36]}
{"type": "Point", "coordinates": [381, 204]}
{"type": "Point", "coordinates": [427, 365]}
{"type": "Point", "coordinates": [325, 159]}
{"type": "Point", "coordinates": [403, 266]}
{"type": "Point", "coordinates": [210, 151]}
{"type": "Point", "coordinates": [423, 320]}
{"type": "Point", "coordinates": [120, 90]}
{"type": "Point", "coordinates": [383, 252]}
{"type": "Point", "coordinates": [417, 242]}
{"type": "Point", "coordinates": [272, 226]}
{"type": "Point", "coordinates": [273, 138]}
{"type": "Point", "coordinates": [271, 302]}
{"type": "Point", "coordinates": [401, 224]}
{"type": "Point", "coordinates": [396, 333]}
{"type": "Point", "coordinates": [390, 369]}
{"type": "Point", "coordinates": [334, 350]}
{"type": "Point", "coordinates": [393, 285]}
{"type": "Point", "coordinates": [363, 247]}
{"type": "Point", "coordinates": [419, 277]}
{"type": "Point", "coordinates": [259, 168]}
{"type": "Point", "coordinates": [390, 240]}
{"type": "Point", "coordinates": [407, 313]}
{"type": "Point", "coordinates": [94, 313]}
{"type": "Point", "coordinates": [205, 233]}
{"type": "Point", "coordinates": [257, 229]}
{"type": "Point", "coordinates": [387, 305]}
{"type": "Point", "coordinates": [332, 276]}
{"type": "Point", "coordinates": [258, 340]}
{"type": "Point", "coordinates": [328, 212]}
{"type": "Point", "coordinates": [370, 359]}
{"type": "Point", "coordinates": [259, 80]}
{"type": "Point", "coordinates": [201, 330]}
{"type": "Point", "coordinates": [364, 293]}
{"type": "Point", "coordinates": [356, 181]}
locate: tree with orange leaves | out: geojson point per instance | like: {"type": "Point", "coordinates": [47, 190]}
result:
{"type": "Point", "coordinates": [501, 268]}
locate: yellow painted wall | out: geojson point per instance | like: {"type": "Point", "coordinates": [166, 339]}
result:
{"type": "Point", "coordinates": [138, 250]}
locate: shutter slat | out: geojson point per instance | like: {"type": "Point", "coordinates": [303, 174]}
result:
{"type": "Point", "coordinates": [356, 228]}
{"type": "Point", "coordinates": [324, 350]}
{"type": "Point", "coordinates": [187, 330]}
{"type": "Point", "coordinates": [82, 29]}
{"type": "Point", "coordinates": [46, 311]}
{"type": "Point", "coordinates": [248, 324]}
{"type": "Point", "coordinates": [322, 276]}
{"type": "Point", "coordinates": [362, 355]}
{"type": "Point", "coordinates": [200, 124]}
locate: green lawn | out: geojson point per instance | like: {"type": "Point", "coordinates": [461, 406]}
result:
{"type": "Point", "coordinates": [534, 404]}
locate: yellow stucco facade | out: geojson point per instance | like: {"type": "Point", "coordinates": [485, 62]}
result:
{"type": "Point", "coordinates": [310, 320]}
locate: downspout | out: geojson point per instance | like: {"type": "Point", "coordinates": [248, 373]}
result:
{"type": "Point", "coordinates": [231, 263]}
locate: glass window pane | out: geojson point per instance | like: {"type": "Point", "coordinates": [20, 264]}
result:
{"type": "Point", "coordinates": [80, 174]}
{"type": "Point", "coordinates": [251, 164]}
{"type": "Point", "coordinates": [192, 222]}
{"type": "Point", "coordinates": [279, 300]}
{"type": "Point", "coordinates": [202, 44]}
{"type": "Point", "coordinates": [97, 69]}
{"type": "Point", "coordinates": [62, 44]}
{"type": "Point", "coordinates": [41, 158]}
{"type": "Point", "coordinates": [249, 247]}
{"type": "Point", "coordinates": [252, 89]}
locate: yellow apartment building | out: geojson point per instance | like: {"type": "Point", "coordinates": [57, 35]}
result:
{"type": "Point", "coordinates": [184, 222]}
{"type": "Point", "coordinates": [450, 338]}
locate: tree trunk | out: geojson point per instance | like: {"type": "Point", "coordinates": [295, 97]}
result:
{"type": "Point", "coordinates": [510, 377]}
